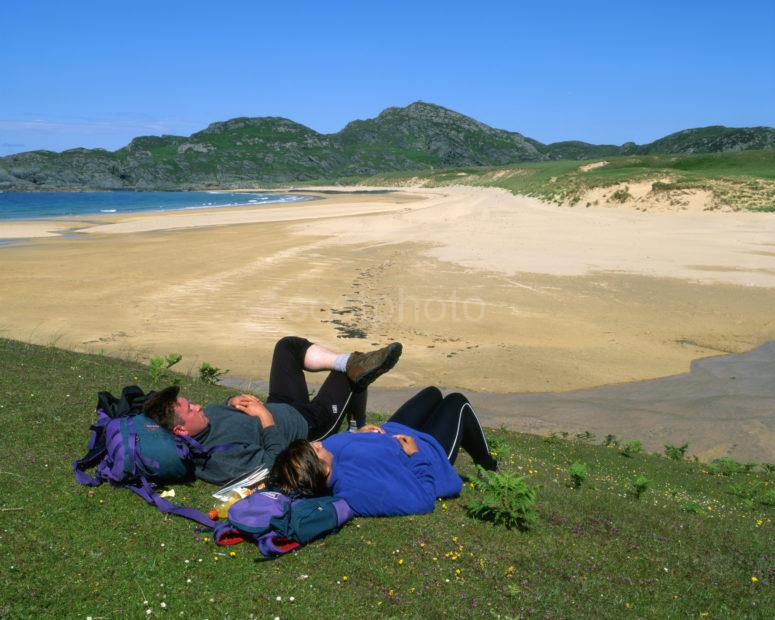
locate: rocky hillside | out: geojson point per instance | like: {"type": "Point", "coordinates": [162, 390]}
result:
{"type": "Point", "coordinates": [715, 139]}
{"type": "Point", "coordinates": [250, 151]}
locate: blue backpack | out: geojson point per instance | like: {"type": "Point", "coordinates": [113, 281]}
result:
{"type": "Point", "coordinates": [279, 524]}
{"type": "Point", "coordinates": [132, 451]}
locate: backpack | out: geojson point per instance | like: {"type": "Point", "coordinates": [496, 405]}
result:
{"type": "Point", "coordinates": [279, 524]}
{"type": "Point", "coordinates": [132, 451]}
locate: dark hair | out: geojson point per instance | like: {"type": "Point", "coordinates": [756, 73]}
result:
{"type": "Point", "coordinates": [161, 407]}
{"type": "Point", "coordinates": [297, 470]}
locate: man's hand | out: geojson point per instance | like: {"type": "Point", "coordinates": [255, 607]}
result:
{"type": "Point", "coordinates": [408, 444]}
{"type": "Point", "coordinates": [243, 399]}
{"type": "Point", "coordinates": [370, 428]}
{"type": "Point", "coordinates": [252, 406]}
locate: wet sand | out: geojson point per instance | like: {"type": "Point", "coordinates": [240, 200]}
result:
{"type": "Point", "coordinates": [487, 291]}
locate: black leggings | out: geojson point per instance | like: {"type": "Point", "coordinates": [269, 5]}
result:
{"type": "Point", "coordinates": [450, 420]}
{"type": "Point", "coordinates": [335, 398]}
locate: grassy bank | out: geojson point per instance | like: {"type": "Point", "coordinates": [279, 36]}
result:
{"type": "Point", "coordinates": [696, 544]}
{"type": "Point", "coordinates": [740, 180]}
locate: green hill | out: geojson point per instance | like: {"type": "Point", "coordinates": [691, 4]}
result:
{"type": "Point", "coordinates": [716, 139]}
{"type": "Point", "coordinates": [272, 150]}
{"type": "Point", "coordinates": [698, 542]}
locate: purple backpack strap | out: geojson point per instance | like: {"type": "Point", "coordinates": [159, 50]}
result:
{"type": "Point", "coordinates": [187, 446]}
{"type": "Point", "coordinates": [145, 490]}
{"type": "Point", "coordinates": [94, 453]}
{"type": "Point", "coordinates": [272, 545]}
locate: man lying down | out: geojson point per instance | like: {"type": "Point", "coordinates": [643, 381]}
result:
{"type": "Point", "coordinates": [260, 431]}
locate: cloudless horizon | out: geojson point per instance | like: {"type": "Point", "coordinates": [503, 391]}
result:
{"type": "Point", "coordinates": [97, 74]}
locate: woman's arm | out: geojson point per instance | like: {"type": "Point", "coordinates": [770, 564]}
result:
{"type": "Point", "coordinates": [378, 479]}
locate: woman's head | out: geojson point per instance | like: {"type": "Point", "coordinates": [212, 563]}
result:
{"type": "Point", "coordinates": [302, 468]}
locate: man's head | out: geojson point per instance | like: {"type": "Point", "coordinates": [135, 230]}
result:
{"type": "Point", "coordinates": [176, 413]}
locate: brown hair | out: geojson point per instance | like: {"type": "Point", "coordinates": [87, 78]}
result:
{"type": "Point", "coordinates": [298, 470]}
{"type": "Point", "coordinates": [161, 407]}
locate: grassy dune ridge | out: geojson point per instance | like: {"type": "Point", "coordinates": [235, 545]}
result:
{"type": "Point", "coordinates": [694, 545]}
{"type": "Point", "coordinates": [738, 180]}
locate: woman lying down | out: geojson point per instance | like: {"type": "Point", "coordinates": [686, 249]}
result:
{"type": "Point", "coordinates": [399, 468]}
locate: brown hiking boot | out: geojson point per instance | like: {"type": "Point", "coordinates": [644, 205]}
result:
{"type": "Point", "coordinates": [363, 368]}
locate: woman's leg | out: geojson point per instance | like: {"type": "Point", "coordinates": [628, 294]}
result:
{"type": "Point", "coordinates": [454, 424]}
{"type": "Point", "coordinates": [416, 411]}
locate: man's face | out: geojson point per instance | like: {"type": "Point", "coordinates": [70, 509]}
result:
{"type": "Point", "coordinates": [193, 418]}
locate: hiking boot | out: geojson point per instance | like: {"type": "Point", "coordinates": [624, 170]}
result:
{"type": "Point", "coordinates": [363, 368]}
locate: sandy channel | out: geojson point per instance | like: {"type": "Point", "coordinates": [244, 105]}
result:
{"type": "Point", "coordinates": [488, 291]}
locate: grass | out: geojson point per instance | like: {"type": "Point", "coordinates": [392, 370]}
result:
{"type": "Point", "coordinates": [691, 546]}
{"type": "Point", "coordinates": [741, 180]}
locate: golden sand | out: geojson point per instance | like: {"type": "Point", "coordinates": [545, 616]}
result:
{"type": "Point", "coordinates": [487, 291]}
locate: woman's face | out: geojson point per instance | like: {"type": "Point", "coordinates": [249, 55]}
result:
{"type": "Point", "coordinates": [324, 455]}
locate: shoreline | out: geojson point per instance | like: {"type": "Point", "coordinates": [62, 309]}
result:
{"type": "Point", "coordinates": [114, 213]}
{"type": "Point", "coordinates": [152, 220]}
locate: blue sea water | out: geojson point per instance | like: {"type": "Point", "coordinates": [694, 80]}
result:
{"type": "Point", "coordinates": [35, 205]}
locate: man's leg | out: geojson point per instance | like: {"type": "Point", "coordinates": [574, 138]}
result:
{"type": "Point", "coordinates": [342, 393]}
{"type": "Point", "coordinates": [454, 424]}
{"type": "Point", "coordinates": [335, 400]}
{"type": "Point", "coordinates": [286, 377]}
{"type": "Point", "coordinates": [416, 411]}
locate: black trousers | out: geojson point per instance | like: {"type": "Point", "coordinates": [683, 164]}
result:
{"type": "Point", "coordinates": [335, 399]}
{"type": "Point", "coordinates": [450, 420]}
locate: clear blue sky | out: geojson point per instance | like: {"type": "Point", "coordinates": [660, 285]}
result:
{"type": "Point", "coordinates": [97, 73]}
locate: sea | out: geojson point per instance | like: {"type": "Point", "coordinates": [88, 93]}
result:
{"type": "Point", "coordinates": [37, 205]}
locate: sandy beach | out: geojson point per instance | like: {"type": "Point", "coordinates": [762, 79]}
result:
{"type": "Point", "coordinates": [488, 292]}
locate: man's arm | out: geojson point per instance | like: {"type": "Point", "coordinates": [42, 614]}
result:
{"type": "Point", "coordinates": [252, 406]}
{"type": "Point", "coordinates": [273, 441]}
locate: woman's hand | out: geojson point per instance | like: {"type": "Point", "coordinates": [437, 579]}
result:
{"type": "Point", "coordinates": [408, 444]}
{"type": "Point", "coordinates": [370, 428]}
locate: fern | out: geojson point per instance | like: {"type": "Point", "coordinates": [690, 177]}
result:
{"type": "Point", "coordinates": [505, 499]}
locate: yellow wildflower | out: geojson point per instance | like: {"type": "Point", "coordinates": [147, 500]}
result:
{"type": "Point", "coordinates": [754, 579]}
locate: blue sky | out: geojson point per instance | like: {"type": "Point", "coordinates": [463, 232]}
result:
{"type": "Point", "coordinates": [97, 73]}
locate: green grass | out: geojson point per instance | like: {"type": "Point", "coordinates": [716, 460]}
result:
{"type": "Point", "coordinates": [743, 180]}
{"type": "Point", "coordinates": [689, 546]}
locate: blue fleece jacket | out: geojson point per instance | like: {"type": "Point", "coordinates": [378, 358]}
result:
{"type": "Point", "coordinates": [376, 478]}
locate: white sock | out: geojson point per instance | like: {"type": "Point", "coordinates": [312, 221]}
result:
{"type": "Point", "coordinates": [341, 362]}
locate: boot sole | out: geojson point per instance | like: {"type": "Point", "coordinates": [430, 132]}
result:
{"type": "Point", "coordinates": [394, 352]}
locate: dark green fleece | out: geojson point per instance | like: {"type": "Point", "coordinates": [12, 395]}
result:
{"type": "Point", "coordinates": [256, 446]}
